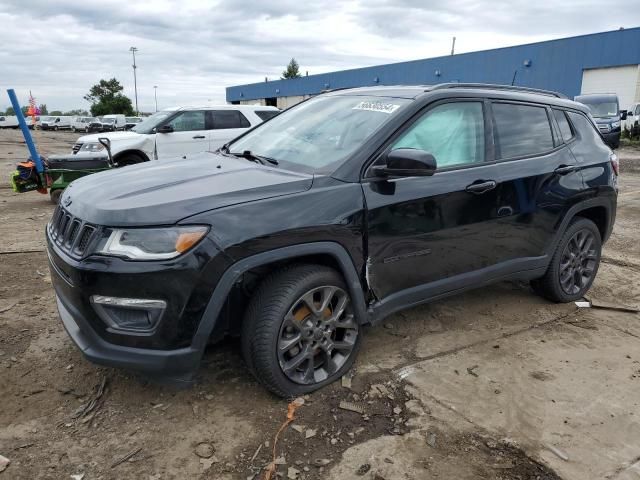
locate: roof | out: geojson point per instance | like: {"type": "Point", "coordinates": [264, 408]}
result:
{"type": "Point", "coordinates": [220, 107]}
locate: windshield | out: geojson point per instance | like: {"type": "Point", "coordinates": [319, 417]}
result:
{"type": "Point", "coordinates": [46, 119]}
{"type": "Point", "coordinates": [108, 120]}
{"type": "Point", "coordinates": [149, 123]}
{"type": "Point", "coordinates": [320, 133]}
{"type": "Point", "coordinates": [601, 109]}
{"type": "Point", "coordinates": [133, 119]}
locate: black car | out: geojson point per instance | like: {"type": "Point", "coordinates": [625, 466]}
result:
{"type": "Point", "coordinates": [338, 212]}
{"type": "Point", "coordinates": [605, 109]}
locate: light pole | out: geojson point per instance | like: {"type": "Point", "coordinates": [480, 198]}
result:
{"type": "Point", "coordinates": [155, 95]}
{"type": "Point", "coordinates": [133, 51]}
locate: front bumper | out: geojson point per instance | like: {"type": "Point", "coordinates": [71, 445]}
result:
{"type": "Point", "coordinates": [612, 138]}
{"type": "Point", "coordinates": [172, 350]}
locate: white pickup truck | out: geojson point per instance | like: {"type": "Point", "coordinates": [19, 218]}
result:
{"type": "Point", "coordinates": [178, 131]}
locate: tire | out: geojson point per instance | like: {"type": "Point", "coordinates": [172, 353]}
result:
{"type": "Point", "coordinates": [55, 128]}
{"type": "Point", "coordinates": [277, 314]}
{"type": "Point", "coordinates": [73, 129]}
{"type": "Point", "coordinates": [574, 264]}
{"type": "Point", "coordinates": [86, 129]}
{"type": "Point", "coordinates": [129, 159]}
{"type": "Point", "coordinates": [55, 195]}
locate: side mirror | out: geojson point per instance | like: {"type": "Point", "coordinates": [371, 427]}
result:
{"type": "Point", "coordinates": [623, 114]}
{"type": "Point", "coordinates": [165, 129]}
{"type": "Point", "coordinates": [407, 162]}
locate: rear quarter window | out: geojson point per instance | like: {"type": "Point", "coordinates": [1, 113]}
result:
{"type": "Point", "coordinates": [226, 119]}
{"type": "Point", "coordinates": [521, 130]}
{"type": "Point", "coordinates": [563, 123]}
{"type": "Point", "coordinates": [585, 127]}
{"type": "Point", "coordinates": [265, 115]}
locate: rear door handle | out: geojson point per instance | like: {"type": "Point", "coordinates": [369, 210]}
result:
{"type": "Point", "coordinates": [481, 186]}
{"type": "Point", "coordinates": [564, 169]}
{"type": "Point", "coordinates": [198, 136]}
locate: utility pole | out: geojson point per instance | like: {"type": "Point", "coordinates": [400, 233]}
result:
{"type": "Point", "coordinates": [453, 45]}
{"type": "Point", "coordinates": [133, 51]}
{"type": "Point", "coordinates": [155, 95]}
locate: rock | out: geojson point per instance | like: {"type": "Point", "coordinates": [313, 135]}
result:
{"type": "Point", "coordinates": [293, 473]}
{"type": "Point", "coordinates": [298, 428]}
{"type": "Point", "coordinates": [280, 461]}
{"type": "Point", "coordinates": [346, 381]}
{"type": "Point", "coordinates": [397, 411]}
{"type": "Point", "coordinates": [78, 476]}
{"type": "Point", "coordinates": [204, 450]}
{"type": "Point", "coordinates": [306, 469]}
{"type": "Point", "coordinates": [4, 463]}
{"type": "Point", "coordinates": [334, 441]}
{"type": "Point", "coordinates": [310, 433]}
{"type": "Point", "coordinates": [378, 390]}
{"type": "Point", "coordinates": [388, 326]}
{"type": "Point", "coordinates": [364, 468]}
{"type": "Point", "coordinates": [414, 407]}
{"type": "Point", "coordinates": [321, 462]}
{"type": "Point", "coordinates": [207, 462]}
{"type": "Point", "coordinates": [431, 439]}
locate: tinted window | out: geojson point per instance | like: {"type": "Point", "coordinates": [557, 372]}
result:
{"type": "Point", "coordinates": [223, 119]}
{"type": "Point", "coordinates": [585, 127]}
{"type": "Point", "coordinates": [453, 133]}
{"type": "Point", "coordinates": [638, 110]}
{"type": "Point", "coordinates": [563, 123]}
{"type": "Point", "coordinates": [522, 130]}
{"type": "Point", "coordinates": [266, 114]}
{"type": "Point", "coordinates": [188, 122]}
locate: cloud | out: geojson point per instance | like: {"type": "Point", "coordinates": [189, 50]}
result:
{"type": "Point", "coordinates": [193, 49]}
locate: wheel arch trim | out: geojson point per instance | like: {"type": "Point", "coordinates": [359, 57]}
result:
{"type": "Point", "coordinates": [231, 275]}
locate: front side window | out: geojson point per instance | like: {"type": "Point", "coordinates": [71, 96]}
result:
{"type": "Point", "coordinates": [319, 134]}
{"type": "Point", "coordinates": [188, 122]}
{"type": "Point", "coordinates": [563, 123]}
{"type": "Point", "coordinates": [453, 133]}
{"type": "Point", "coordinates": [226, 119]}
{"type": "Point", "coordinates": [522, 130]}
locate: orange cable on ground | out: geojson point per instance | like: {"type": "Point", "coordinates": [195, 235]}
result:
{"type": "Point", "coordinates": [291, 409]}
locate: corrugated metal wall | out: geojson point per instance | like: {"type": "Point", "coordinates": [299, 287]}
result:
{"type": "Point", "coordinates": [555, 65]}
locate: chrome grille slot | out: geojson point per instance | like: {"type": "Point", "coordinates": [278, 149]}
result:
{"type": "Point", "coordinates": [76, 148]}
{"type": "Point", "coordinates": [70, 233]}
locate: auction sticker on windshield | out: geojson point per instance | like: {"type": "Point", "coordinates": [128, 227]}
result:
{"type": "Point", "coordinates": [377, 107]}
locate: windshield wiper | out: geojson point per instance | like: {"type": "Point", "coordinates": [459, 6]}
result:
{"type": "Point", "coordinates": [255, 158]}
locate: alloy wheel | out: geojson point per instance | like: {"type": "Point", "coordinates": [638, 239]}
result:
{"type": "Point", "coordinates": [578, 262]}
{"type": "Point", "coordinates": [317, 336]}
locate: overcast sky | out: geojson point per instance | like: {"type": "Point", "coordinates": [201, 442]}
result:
{"type": "Point", "coordinates": [193, 49]}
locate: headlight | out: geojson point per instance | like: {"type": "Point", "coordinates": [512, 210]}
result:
{"type": "Point", "coordinates": [151, 243]}
{"type": "Point", "coordinates": [615, 124]}
{"type": "Point", "coordinates": [92, 147]}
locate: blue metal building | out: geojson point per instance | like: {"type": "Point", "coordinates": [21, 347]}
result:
{"type": "Point", "coordinates": [558, 65]}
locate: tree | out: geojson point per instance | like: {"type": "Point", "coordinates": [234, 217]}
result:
{"type": "Point", "coordinates": [43, 109]}
{"type": "Point", "coordinates": [10, 112]}
{"type": "Point", "coordinates": [56, 113]}
{"type": "Point", "coordinates": [77, 112]}
{"type": "Point", "coordinates": [106, 97]}
{"type": "Point", "coordinates": [292, 71]}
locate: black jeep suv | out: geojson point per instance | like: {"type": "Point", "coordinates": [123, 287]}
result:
{"type": "Point", "coordinates": [336, 213]}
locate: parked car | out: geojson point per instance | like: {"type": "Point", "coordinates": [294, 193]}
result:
{"type": "Point", "coordinates": [82, 124]}
{"type": "Point", "coordinates": [56, 123]}
{"type": "Point", "coordinates": [176, 132]}
{"type": "Point", "coordinates": [605, 109]}
{"type": "Point", "coordinates": [108, 124]}
{"type": "Point", "coordinates": [116, 121]}
{"type": "Point", "coordinates": [131, 122]}
{"type": "Point", "coordinates": [338, 212]}
{"type": "Point", "coordinates": [633, 116]}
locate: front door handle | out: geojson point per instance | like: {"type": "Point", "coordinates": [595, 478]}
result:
{"type": "Point", "coordinates": [564, 169]}
{"type": "Point", "coordinates": [481, 186]}
{"type": "Point", "coordinates": [198, 137]}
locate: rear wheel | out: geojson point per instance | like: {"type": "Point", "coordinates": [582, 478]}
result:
{"type": "Point", "coordinates": [129, 159]}
{"type": "Point", "coordinates": [574, 265]}
{"type": "Point", "coordinates": [55, 195]}
{"type": "Point", "coordinates": [300, 332]}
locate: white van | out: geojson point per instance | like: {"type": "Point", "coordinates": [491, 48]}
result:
{"type": "Point", "coordinates": [114, 122]}
{"type": "Point", "coordinates": [56, 123]}
{"type": "Point", "coordinates": [633, 116]}
{"type": "Point", "coordinates": [179, 131]}
{"type": "Point", "coordinates": [8, 121]}
{"type": "Point", "coordinates": [82, 124]}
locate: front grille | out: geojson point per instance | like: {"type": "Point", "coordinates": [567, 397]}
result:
{"type": "Point", "coordinates": [604, 128]}
{"type": "Point", "coordinates": [70, 233]}
{"type": "Point", "coordinates": [76, 148]}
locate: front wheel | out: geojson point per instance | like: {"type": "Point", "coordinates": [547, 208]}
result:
{"type": "Point", "coordinates": [300, 332]}
{"type": "Point", "coordinates": [73, 129]}
{"type": "Point", "coordinates": [55, 129]}
{"type": "Point", "coordinates": [574, 264]}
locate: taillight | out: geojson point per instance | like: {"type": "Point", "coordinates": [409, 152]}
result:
{"type": "Point", "coordinates": [615, 164]}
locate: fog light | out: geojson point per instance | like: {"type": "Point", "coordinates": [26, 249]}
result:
{"type": "Point", "coordinates": [133, 315]}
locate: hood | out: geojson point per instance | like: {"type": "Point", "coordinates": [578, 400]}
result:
{"type": "Point", "coordinates": [113, 136]}
{"type": "Point", "coordinates": [163, 193]}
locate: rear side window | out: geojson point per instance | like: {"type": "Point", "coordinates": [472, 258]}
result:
{"type": "Point", "coordinates": [585, 127]}
{"type": "Point", "coordinates": [265, 115]}
{"type": "Point", "coordinates": [522, 130]}
{"type": "Point", "coordinates": [563, 123]}
{"type": "Point", "coordinates": [453, 133]}
{"type": "Point", "coordinates": [225, 119]}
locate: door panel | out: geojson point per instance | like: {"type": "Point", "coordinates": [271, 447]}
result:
{"type": "Point", "coordinates": [189, 135]}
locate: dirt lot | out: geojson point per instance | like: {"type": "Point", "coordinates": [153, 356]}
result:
{"type": "Point", "coordinates": [492, 384]}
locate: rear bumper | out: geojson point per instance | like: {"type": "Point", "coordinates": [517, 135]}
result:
{"type": "Point", "coordinates": [175, 366]}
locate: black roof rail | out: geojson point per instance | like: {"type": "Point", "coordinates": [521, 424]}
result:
{"type": "Point", "coordinates": [492, 86]}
